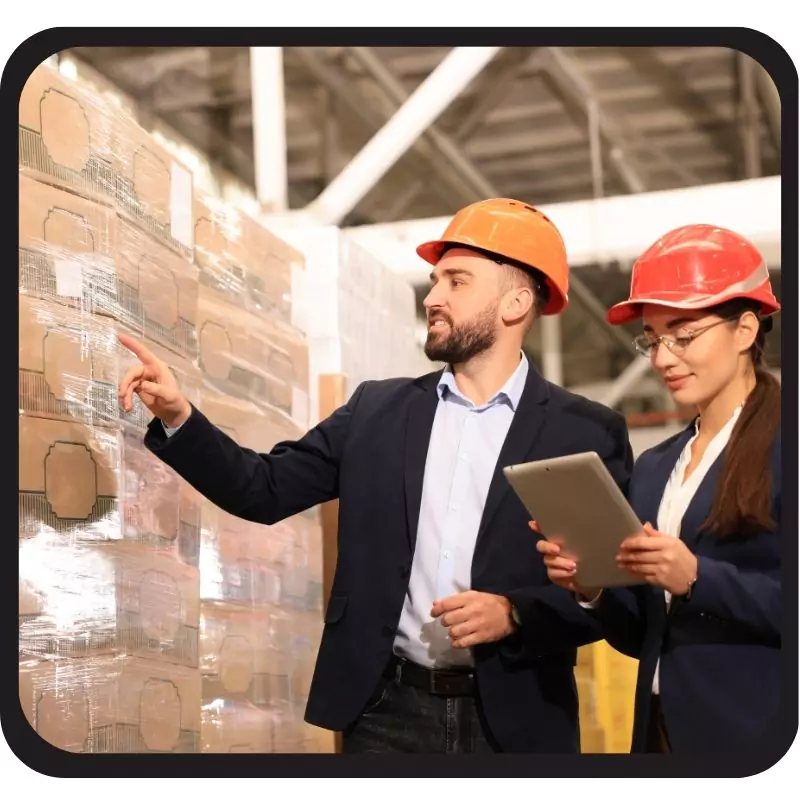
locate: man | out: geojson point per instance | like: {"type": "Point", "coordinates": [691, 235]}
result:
{"type": "Point", "coordinates": [442, 632]}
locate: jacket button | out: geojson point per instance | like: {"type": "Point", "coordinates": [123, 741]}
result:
{"type": "Point", "coordinates": [405, 573]}
{"type": "Point", "coordinates": [387, 631]}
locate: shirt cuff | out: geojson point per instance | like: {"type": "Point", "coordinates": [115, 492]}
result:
{"type": "Point", "coordinates": [589, 604]}
{"type": "Point", "coordinates": [170, 431]}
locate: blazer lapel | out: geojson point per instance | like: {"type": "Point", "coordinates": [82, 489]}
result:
{"type": "Point", "coordinates": [520, 442]}
{"type": "Point", "coordinates": [655, 481]}
{"type": "Point", "coordinates": [421, 413]}
{"type": "Point", "coordinates": [700, 505]}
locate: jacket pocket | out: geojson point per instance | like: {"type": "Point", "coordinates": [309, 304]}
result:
{"type": "Point", "coordinates": [336, 608]}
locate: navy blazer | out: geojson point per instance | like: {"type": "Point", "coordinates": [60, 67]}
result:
{"type": "Point", "coordinates": [720, 650]}
{"type": "Point", "coordinates": [371, 454]}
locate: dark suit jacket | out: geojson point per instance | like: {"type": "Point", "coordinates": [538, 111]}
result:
{"type": "Point", "coordinates": [720, 650]}
{"type": "Point", "coordinates": [371, 454]}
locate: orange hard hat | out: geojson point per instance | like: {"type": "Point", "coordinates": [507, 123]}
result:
{"type": "Point", "coordinates": [697, 267]}
{"type": "Point", "coordinates": [512, 230]}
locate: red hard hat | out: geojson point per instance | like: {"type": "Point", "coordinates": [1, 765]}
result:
{"type": "Point", "coordinates": [697, 267]}
{"type": "Point", "coordinates": [514, 230]}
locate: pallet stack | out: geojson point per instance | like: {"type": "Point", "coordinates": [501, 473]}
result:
{"type": "Point", "coordinates": [108, 538]}
{"type": "Point", "coordinates": [261, 588]}
{"type": "Point", "coordinates": [149, 620]}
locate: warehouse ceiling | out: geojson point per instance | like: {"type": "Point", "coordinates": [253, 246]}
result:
{"type": "Point", "coordinates": [668, 117]}
{"type": "Point", "coordinates": [544, 125]}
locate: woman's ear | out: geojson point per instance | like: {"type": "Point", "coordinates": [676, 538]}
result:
{"type": "Point", "coordinates": [747, 330]}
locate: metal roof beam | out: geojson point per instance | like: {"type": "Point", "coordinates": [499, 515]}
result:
{"type": "Point", "coordinates": [445, 147]}
{"type": "Point", "coordinates": [421, 154]}
{"type": "Point", "coordinates": [569, 76]}
{"type": "Point", "coordinates": [394, 139]}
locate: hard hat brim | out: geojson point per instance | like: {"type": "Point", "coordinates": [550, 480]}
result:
{"type": "Point", "coordinates": [631, 310]}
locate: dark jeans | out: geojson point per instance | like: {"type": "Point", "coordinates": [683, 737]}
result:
{"type": "Point", "coordinates": [404, 719]}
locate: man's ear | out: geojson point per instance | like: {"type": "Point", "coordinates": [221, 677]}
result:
{"type": "Point", "coordinates": [517, 304]}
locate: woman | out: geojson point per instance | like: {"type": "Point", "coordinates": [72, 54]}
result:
{"type": "Point", "coordinates": [705, 624]}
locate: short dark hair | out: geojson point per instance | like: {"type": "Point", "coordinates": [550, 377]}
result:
{"type": "Point", "coordinates": [516, 274]}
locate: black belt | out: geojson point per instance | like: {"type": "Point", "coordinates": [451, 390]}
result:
{"type": "Point", "coordinates": [441, 682]}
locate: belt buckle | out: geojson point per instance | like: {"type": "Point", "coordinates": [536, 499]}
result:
{"type": "Point", "coordinates": [441, 683]}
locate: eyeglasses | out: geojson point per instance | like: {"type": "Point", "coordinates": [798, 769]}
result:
{"type": "Point", "coordinates": [647, 344]}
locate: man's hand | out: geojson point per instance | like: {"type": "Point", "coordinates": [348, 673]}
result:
{"type": "Point", "coordinates": [663, 561]}
{"type": "Point", "coordinates": [156, 386]}
{"type": "Point", "coordinates": [474, 617]}
{"type": "Point", "coordinates": [561, 568]}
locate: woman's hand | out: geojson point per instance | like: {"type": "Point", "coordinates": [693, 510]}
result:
{"type": "Point", "coordinates": [561, 568]}
{"type": "Point", "coordinates": [663, 561]}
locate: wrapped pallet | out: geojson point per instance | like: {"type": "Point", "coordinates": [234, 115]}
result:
{"type": "Point", "coordinates": [108, 537]}
{"type": "Point", "coordinates": [359, 317]}
{"type": "Point", "coordinates": [150, 620]}
{"type": "Point", "coordinates": [261, 586]}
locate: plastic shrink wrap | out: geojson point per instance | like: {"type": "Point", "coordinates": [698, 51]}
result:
{"type": "Point", "coordinates": [359, 317]}
{"type": "Point", "coordinates": [150, 621]}
{"type": "Point", "coordinates": [261, 593]}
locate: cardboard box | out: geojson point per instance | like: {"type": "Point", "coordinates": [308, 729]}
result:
{"type": "Point", "coordinates": [245, 656]}
{"type": "Point", "coordinates": [241, 262]}
{"type": "Point", "coordinates": [71, 138]}
{"type": "Point", "coordinates": [235, 562]}
{"type": "Point", "coordinates": [253, 358]}
{"type": "Point", "coordinates": [251, 426]}
{"type": "Point", "coordinates": [157, 290]}
{"type": "Point", "coordinates": [159, 509]}
{"type": "Point", "coordinates": [66, 135]}
{"type": "Point", "coordinates": [68, 365]}
{"type": "Point", "coordinates": [66, 248]}
{"type": "Point", "coordinates": [88, 600]}
{"type": "Point", "coordinates": [112, 705]}
{"type": "Point", "coordinates": [68, 479]}
{"type": "Point", "coordinates": [99, 484]}
{"type": "Point", "coordinates": [236, 727]}
{"type": "Point", "coordinates": [155, 189]}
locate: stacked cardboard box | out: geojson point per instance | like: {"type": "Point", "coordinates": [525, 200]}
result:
{"type": "Point", "coordinates": [108, 538]}
{"type": "Point", "coordinates": [358, 315]}
{"type": "Point", "coordinates": [149, 619]}
{"type": "Point", "coordinates": [261, 587]}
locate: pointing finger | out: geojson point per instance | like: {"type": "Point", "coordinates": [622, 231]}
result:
{"type": "Point", "coordinates": [138, 349]}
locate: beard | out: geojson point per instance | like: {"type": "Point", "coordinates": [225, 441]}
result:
{"type": "Point", "coordinates": [463, 342]}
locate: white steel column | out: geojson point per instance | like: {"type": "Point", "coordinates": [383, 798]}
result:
{"type": "Point", "coordinates": [622, 384]}
{"type": "Point", "coordinates": [391, 142]}
{"type": "Point", "coordinates": [269, 127]}
{"type": "Point", "coordinates": [552, 361]}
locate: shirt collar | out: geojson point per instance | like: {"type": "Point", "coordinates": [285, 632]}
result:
{"type": "Point", "coordinates": [511, 391]}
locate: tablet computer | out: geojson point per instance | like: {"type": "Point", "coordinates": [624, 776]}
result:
{"type": "Point", "coordinates": [578, 505]}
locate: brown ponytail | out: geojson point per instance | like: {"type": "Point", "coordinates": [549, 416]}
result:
{"type": "Point", "coordinates": [743, 502]}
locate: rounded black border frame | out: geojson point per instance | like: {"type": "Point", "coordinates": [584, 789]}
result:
{"type": "Point", "coordinates": [48, 760]}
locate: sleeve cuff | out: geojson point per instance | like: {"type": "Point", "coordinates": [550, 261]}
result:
{"type": "Point", "coordinates": [171, 431]}
{"type": "Point", "coordinates": [589, 605]}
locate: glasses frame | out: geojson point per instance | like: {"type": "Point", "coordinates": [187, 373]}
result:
{"type": "Point", "coordinates": [647, 345]}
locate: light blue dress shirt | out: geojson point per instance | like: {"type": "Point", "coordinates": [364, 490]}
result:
{"type": "Point", "coordinates": [464, 447]}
